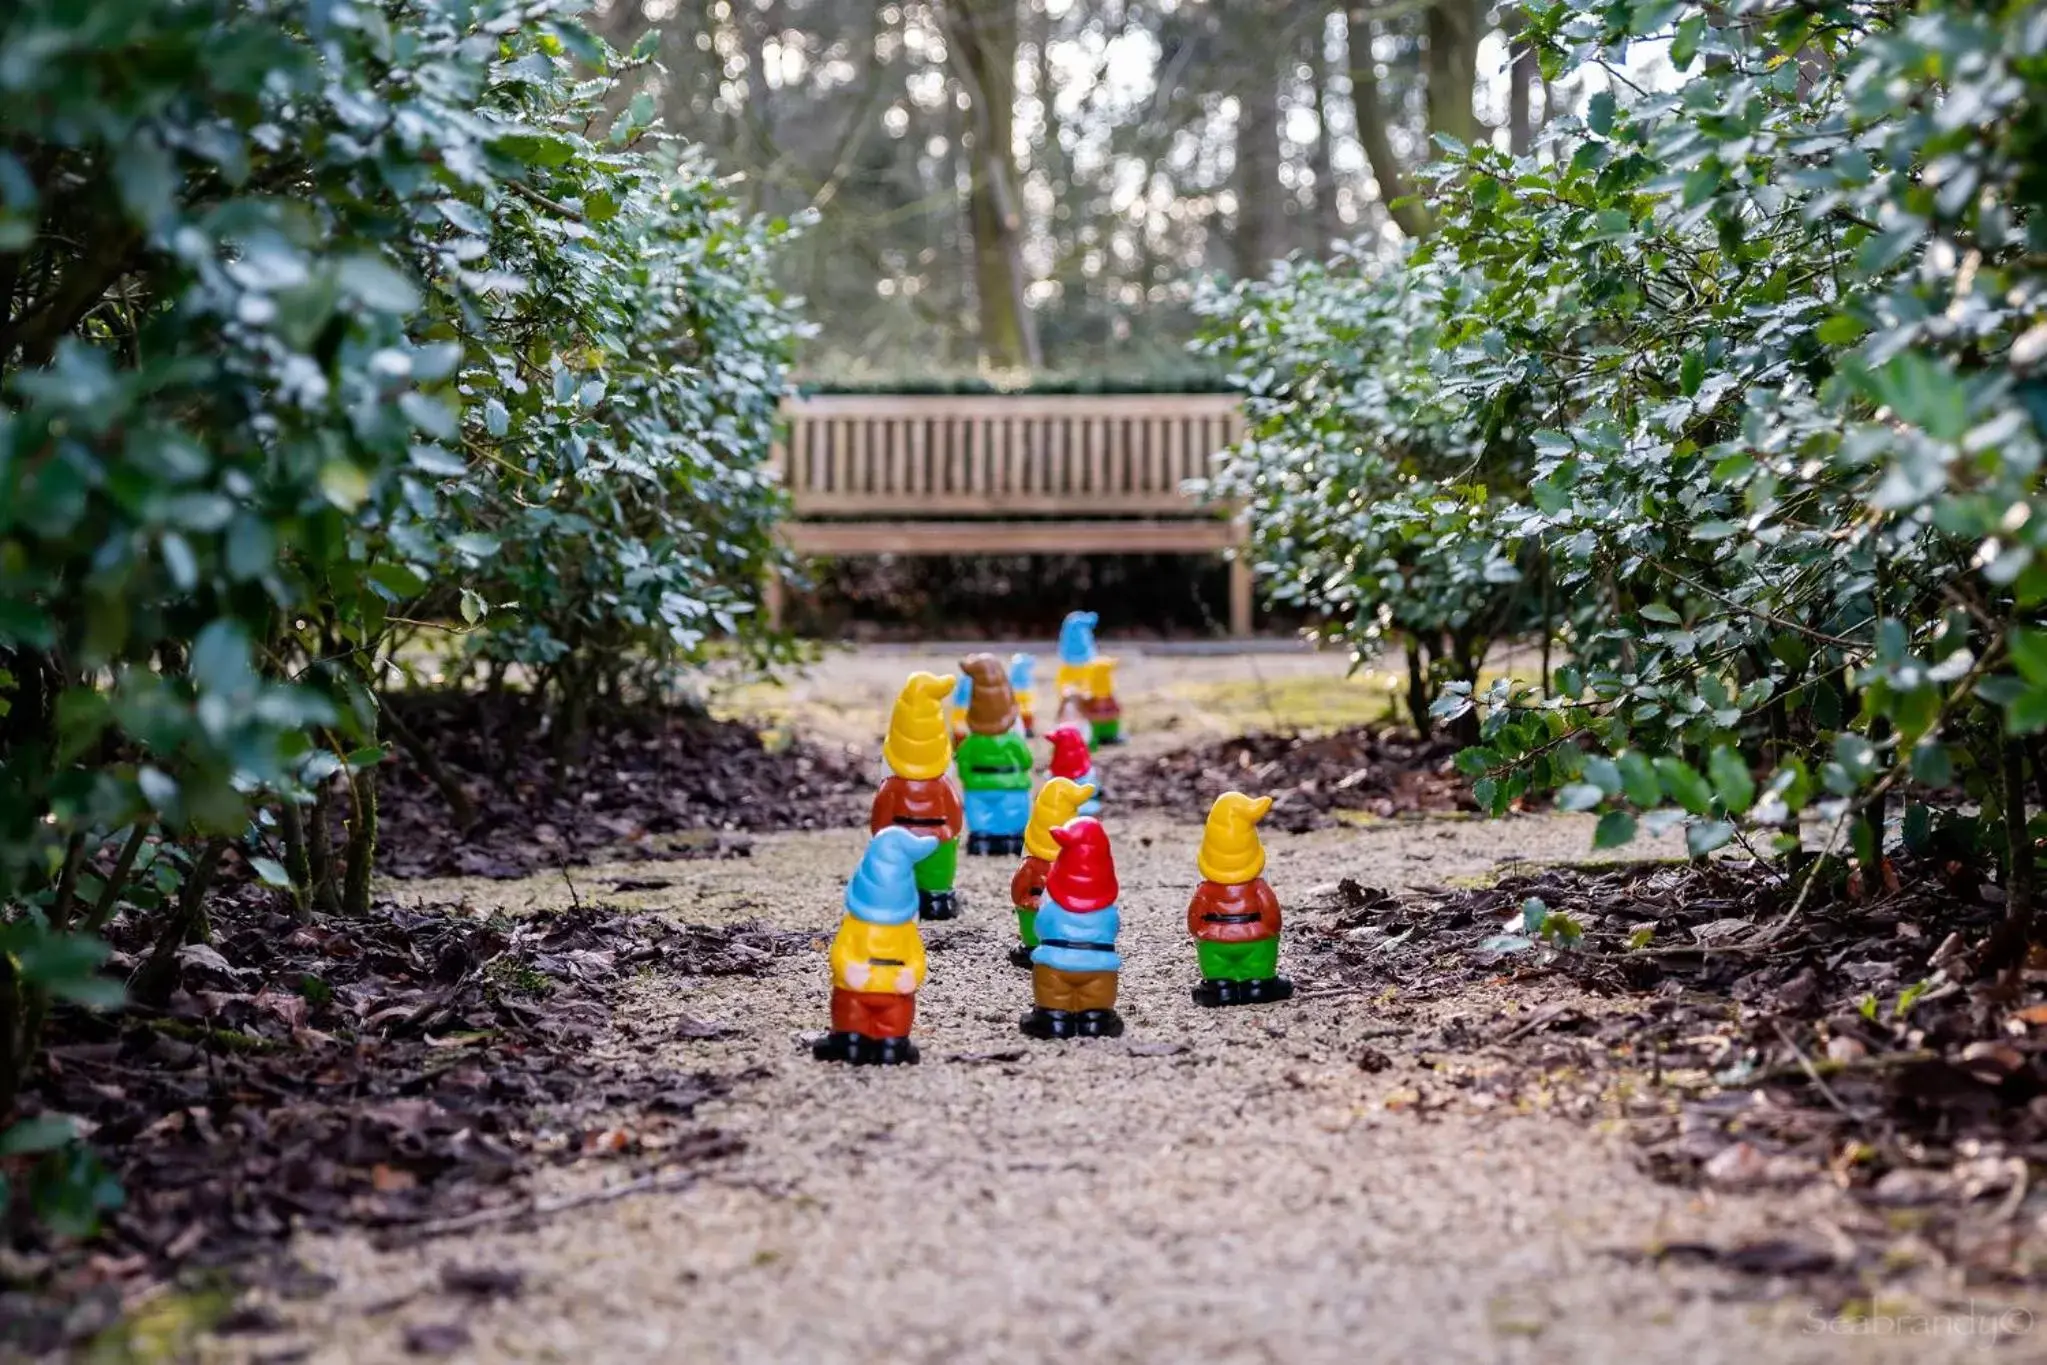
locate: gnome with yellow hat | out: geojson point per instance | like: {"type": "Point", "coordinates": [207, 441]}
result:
{"type": "Point", "coordinates": [1104, 713]}
{"type": "Point", "coordinates": [1058, 801]}
{"type": "Point", "coordinates": [1234, 916]}
{"type": "Point", "coordinates": [921, 795]}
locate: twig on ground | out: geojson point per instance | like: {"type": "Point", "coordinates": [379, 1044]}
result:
{"type": "Point", "coordinates": [1828, 1066]}
{"type": "Point", "coordinates": [1805, 1064]}
{"type": "Point", "coordinates": [1547, 1016]}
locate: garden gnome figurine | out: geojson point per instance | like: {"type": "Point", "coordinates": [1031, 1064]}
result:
{"type": "Point", "coordinates": [1071, 760]}
{"type": "Point", "coordinates": [1022, 670]}
{"type": "Point", "coordinates": [920, 794]}
{"type": "Point", "coordinates": [1104, 714]}
{"type": "Point", "coordinates": [877, 957]}
{"type": "Point", "coordinates": [1058, 801]}
{"type": "Point", "coordinates": [1074, 966]}
{"type": "Point", "coordinates": [1076, 650]}
{"type": "Point", "coordinates": [995, 761]}
{"type": "Point", "coordinates": [1234, 916]}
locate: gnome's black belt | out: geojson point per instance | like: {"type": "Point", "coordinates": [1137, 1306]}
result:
{"type": "Point", "coordinates": [884, 962]}
{"type": "Point", "coordinates": [938, 820]}
{"type": "Point", "coordinates": [1076, 944]}
{"type": "Point", "coordinates": [1251, 917]}
{"type": "Point", "coordinates": [985, 768]}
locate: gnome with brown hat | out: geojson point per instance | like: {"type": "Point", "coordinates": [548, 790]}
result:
{"type": "Point", "coordinates": [995, 761]}
{"type": "Point", "coordinates": [1075, 965]}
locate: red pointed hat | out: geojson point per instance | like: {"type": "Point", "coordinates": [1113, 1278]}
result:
{"type": "Point", "coordinates": [1069, 751]}
{"type": "Point", "coordinates": [1083, 876]}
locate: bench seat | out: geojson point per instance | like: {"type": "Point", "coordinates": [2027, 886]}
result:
{"type": "Point", "coordinates": [905, 474]}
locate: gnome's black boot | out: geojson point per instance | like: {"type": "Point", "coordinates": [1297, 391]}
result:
{"type": "Point", "coordinates": [1100, 1024]}
{"type": "Point", "coordinates": [1044, 1023]}
{"type": "Point", "coordinates": [1266, 989]}
{"type": "Point", "coordinates": [1256, 991]}
{"type": "Point", "coordinates": [836, 1047]}
{"type": "Point", "coordinates": [937, 905]}
{"type": "Point", "coordinates": [1005, 845]}
{"type": "Point", "coordinates": [1020, 956]}
{"type": "Point", "coordinates": [885, 1052]}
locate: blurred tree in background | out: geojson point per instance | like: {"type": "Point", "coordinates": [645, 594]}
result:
{"type": "Point", "coordinates": [1037, 183]}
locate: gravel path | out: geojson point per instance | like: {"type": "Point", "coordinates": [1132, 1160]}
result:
{"type": "Point", "coordinates": [1215, 1185]}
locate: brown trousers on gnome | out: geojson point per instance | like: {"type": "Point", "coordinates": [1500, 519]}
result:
{"type": "Point", "coordinates": [1072, 991]}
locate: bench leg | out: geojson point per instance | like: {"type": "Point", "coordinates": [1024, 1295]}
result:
{"type": "Point", "coordinates": [1240, 593]}
{"type": "Point", "coordinates": [772, 599]}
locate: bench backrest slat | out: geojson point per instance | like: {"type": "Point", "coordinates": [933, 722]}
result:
{"type": "Point", "coordinates": [985, 454]}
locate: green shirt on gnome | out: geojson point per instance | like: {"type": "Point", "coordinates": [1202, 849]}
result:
{"type": "Point", "coordinates": [995, 762]}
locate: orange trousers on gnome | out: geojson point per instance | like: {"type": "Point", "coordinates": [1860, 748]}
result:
{"type": "Point", "coordinates": [872, 1014]}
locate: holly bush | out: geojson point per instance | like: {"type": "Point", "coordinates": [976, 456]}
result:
{"type": "Point", "coordinates": [1772, 342]}
{"type": "Point", "coordinates": [1362, 481]}
{"type": "Point", "coordinates": [324, 325]}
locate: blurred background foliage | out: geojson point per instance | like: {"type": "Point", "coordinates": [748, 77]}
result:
{"type": "Point", "coordinates": [1040, 183]}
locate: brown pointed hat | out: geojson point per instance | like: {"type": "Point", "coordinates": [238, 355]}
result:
{"type": "Point", "coordinates": [992, 708]}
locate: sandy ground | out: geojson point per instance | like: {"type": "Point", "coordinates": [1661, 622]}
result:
{"type": "Point", "coordinates": [1173, 696]}
{"type": "Point", "coordinates": [1215, 1185]}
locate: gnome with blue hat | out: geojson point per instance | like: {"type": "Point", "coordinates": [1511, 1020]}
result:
{"type": "Point", "coordinates": [1076, 651]}
{"type": "Point", "coordinates": [877, 957]}
{"type": "Point", "coordinates": [1091, 677]}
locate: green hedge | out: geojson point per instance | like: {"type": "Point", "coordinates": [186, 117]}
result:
{"type": "Point", "coordinates": [1747, 380]}
{"type": "Point", "coordinates": [331, 328]}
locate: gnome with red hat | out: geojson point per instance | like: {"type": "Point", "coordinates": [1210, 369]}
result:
{"type": "Point", "coordinates": [1074, 966]}
{"type": "Point", "coordinates": [1071, 760]}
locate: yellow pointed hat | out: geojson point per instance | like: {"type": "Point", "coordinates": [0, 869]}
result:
{"type": "Point", "coordinates": [1058, 801]}
{"type": "Point", "coordinates": [1230, 851]}
{"type": "Point", "coordinates": [918, 743]}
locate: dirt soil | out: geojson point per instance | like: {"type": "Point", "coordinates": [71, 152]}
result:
{"type": "Point", "coordinates": [1283, 1183]}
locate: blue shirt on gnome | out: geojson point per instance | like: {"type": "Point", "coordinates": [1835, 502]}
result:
{"type": "Point", "coordinates": [1055, 921]}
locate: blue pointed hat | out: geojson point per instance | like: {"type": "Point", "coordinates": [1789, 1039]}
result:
{"type": "Point", "coordinates": [1077, 637]}
{"type": "Point", "coordinates": [884, 887]}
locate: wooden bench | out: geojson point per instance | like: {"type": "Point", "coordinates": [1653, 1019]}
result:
{"type": "Point", "coordinates": [1000, 474]}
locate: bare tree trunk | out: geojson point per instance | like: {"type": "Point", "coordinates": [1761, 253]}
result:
{"type": "Point", "coordinates": [1051, 154]}
{"type": "Point", "coordinates": [1259, 215]}
{"type": "Point", "coordinates": [1453, 34]}
{"type": "Point", "coordinates": [1370, 112]}
{"type": "Point", "coordinates": [1328, 219]}
{"type": "Point", "coordinates": [981, 42]}
{"type": "Point", "coordinates": [1521, 76]}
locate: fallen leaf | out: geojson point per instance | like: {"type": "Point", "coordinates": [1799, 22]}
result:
{"type": "Point", "coordinates": [483, 1282]}
{"type": "Point", "coordinates": [390, 1179]}
{"type": "Point", "coordinates": [436, 1338]}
